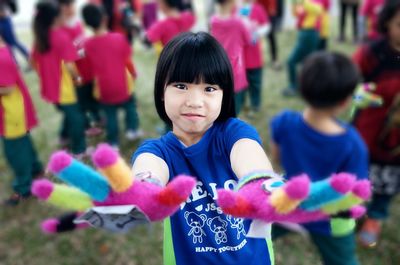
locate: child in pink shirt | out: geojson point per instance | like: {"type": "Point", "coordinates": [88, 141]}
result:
{"type": "Point", "coordinates": [233, 35]}
{"type": "Point", "coordinates": [175, 22]}
{"type": "Point", "coordinates": [73, 28]}
{"type": "Point", "coordinates": [369, 13]}
{"type": "Point", "coordinates": [17, 118]}
{"type": "Point", "coordinates": [109, 56]}
{"type": "Point", "coordinates": [257, 20]}
{"type": "Point", "coordinates": [53, 57]}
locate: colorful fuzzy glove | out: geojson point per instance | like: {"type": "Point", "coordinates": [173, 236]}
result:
{"type": "Point", "coordinates": [267, 198]}
{"type": "Point", "coordinates": [364, 98]}
{"type": "Point", "coordinates": [112, 185]}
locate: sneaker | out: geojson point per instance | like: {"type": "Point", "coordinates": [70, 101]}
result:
{"type": "Point", "coordinates": [369, 233]}
{"type": "Point", "coordinates": [132, 135]}
{"type": "Point", "coordinates": [93, 131]}
{"type": "Point", "coordinates": [289, 92]}
{"type": "Point", "coordinates": [86, 154]}
{"type": "Point", "coordinates": [15, 199]}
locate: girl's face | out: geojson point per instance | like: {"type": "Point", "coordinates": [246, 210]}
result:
{"type": "Point", "coordinates": [393, 27]}
{"type": "Point", "coordinates": [192, 108]}
{"type": "Point", "coordinates": [68, 10]}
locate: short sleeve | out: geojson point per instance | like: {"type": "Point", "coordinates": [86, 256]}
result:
{"type": "Point", "coordinates": [357, 163]}
{"type": "Point", "coordinates": [154, 32]}
{"type": "Point", "coordinates": [149, 146]}
{"type": "Point", "coordinates": [65, 48]}
{"type": "Point", "coordinates": [276, 125]}
{"type": "Point", "coordinates": [9, 72]}
{"type": "Point", "coordinates": [236, 130]}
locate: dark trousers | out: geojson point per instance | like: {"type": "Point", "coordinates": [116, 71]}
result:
{"type": "Point", "coordinates": [334, 250]}
{"type": "Point", "coordinates": [88, 104]}
{"type": "Point", "coordinates": [111, 116]}
{"type": "Point", "coordinates": [239, 100]}
{"type": "Point", "coordinates": [307, 43]}
{"type": "Point", "coordinates": [7, 33]}
{"type": "Point", "coordinates": [271, 38]}
{"type": "Point", "coordinates": [354, 14]}
{"type": "Point", "coordinates": [73, 127]}
{"type": "Point", "coordinates": [254, 77]}
{"type": "Point", "coordinates": [21, 155]}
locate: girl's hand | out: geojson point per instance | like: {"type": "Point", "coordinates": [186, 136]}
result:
{"type": "Point", "coordinates": [269, 199]}
{"type": "Point", "coordinates": [112, 185]}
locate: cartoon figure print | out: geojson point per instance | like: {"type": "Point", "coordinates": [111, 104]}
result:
{"type": "Point", "coordinates": [196, 222]}
{"type": "Point", "coordinates": [237, 223]}
{"type": "Point", "coordinates": [218, 226]}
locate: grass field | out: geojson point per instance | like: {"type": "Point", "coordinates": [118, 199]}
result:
{"type": "Point", "coordinates": [21, 241]}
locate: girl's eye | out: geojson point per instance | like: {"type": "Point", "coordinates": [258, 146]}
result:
{"type": "Point", "coordinates": [180, 86]}
{"type": "Point", "coordinates": [210, 89]}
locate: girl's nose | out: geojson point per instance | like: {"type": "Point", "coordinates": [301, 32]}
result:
{"type": "Point", "coordinates": [194, 99]}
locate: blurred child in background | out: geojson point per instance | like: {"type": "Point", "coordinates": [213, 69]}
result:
{"type": "Point", "coordinates": [368, 19]}
{"type": "Point", "coordinates": [17, 118]}
{"type": "Point", "coordinates": [344, 6]}
{"type": "Point", "coordinates": [109, 56]}
{"type": "Point", "coordinates": [379, 63]}
{"type": "Point", "coordinates": [232, 34]}
{"type": "Point", "coordinates": [174, 22]}
{"type": "Point", "coordinates": [53, 57]}
{"type": "Point", "coordinates": [324, 27]}
{"type": "Point", "coordinates": [316, 143]}
{"type": "Point", "coordinates": [308, 14]}
{"type": "Point", "coordinates": [149, 13]}
{"type": "Point", "coordinates": [74, 29]}
{"type": "Point", "coordinates": [7, 28]}
{"type": "Point", "coordinates": [258, 23]}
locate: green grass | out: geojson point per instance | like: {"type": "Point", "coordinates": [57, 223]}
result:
{"type": "Point", "coordinates": [21, 241]}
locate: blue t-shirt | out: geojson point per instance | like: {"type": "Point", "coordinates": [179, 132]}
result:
{"type": "Point", "coordinates": [304, 150]}
{"type": "Point", "coordinates": [199, 233]}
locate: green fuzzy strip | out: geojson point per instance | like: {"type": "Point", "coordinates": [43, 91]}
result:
{"type": "Point", "coordinates": [343, 204]}
{"type": "Point", "coordinates": [69, 198]}
{"type": "Point", "coordinates": [254, 176]}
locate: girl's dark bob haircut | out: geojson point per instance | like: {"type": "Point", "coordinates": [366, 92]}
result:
{"type": "Point", "coordinates": [389, 10]}
{"type": "Point", "coordinates": [194, 58]}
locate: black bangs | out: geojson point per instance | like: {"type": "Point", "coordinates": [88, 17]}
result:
{"type": "Point", "coordinates": [194, 58]}
{"type": "Point", "coordinates": [198, 62]}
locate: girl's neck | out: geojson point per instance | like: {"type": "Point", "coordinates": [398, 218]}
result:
{"type": "Point", "coordinates": [226, 10]}
{"type": "Point", "coordinates": [171, 12]}
{"type": "Point", "coordinates": [188, 139]}
{"type": "Point", "coordinates": [101, 31]}
{"type": "Point", "coordinates": [323, 121]}
{"type": "Point", "coordinates": [395, 45]}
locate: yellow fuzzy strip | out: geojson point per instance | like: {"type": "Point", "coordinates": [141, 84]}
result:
{"type": "Point", "coordinates": [282, 203]}
{"type": "Point", "coordinates": [119, 175]}
{"type": "Point", "coordinates": [343, 204]}
{"type": "Point", "coordinates": [69, 198]}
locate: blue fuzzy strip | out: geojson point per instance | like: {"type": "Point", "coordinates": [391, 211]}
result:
{"type": "Point", "coordinates": [321, 193]}
{"type": "Point", "coordinates": [86, 179]}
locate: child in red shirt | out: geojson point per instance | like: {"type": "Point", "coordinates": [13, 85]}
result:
{"type": "Point", "coordinates": [75, 31]}
{"type": "Point", "coordinates": [175, 22]}
{"type": "Point", "coordinates": [53, 57]}
{"type": "Point", "coordinates": [109, 56]}
{"type": "Point", "coordinates": [17, 118]}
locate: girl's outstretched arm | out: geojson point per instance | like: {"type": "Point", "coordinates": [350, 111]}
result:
{"type": "Point", "coordinates": [152, 165]}
{"type": "Point", "coordinates": [248, 156]}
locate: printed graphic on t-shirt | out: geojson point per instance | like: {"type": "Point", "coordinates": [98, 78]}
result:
{"type": "Point", "coordinates": [209, 229]}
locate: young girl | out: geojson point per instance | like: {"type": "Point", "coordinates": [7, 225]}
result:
{"type": "Point", "coordinates": [194, 94]}
{"type": "Point", "coordinates": [233, 35]}
{"type": "Point", "coordinates": [53, 57]}
{"type": "Point", "coordinates": [368, 20]}
{"type": "Point", "coordinates": [379, 63]}
{"type": "Point", "coordinates": [17, 118]}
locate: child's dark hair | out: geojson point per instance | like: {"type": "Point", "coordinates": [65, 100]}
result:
{"type": "Point", "coordinates": [93, 15]}
{"type": "Point", "coordinates": [389, 10]}
{"type": "Point", "coordinates": [46, 14]}
{"type": "Point", "coordinates": [194, 58]}
{"type": "Point", "coordinates": [174, 4]}
{"type": "Point", "coordinates": [327, 78]}
{"type": "Point", "coordinates": [65, 2]}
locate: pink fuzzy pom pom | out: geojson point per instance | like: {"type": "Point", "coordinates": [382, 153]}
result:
{"type": "Point", "coordinates": [49, 226]}
{"type": "Point", "coordinates": [357, 211]}
{"type": "Point", "coordinates": [104, 156]}
{"type": "Point", "coordinates": [58, 161]}
{"type": "Point", "coordinates": [298, 187]}
{"type": "Point", "coordinates": [343, 182]}
{"type": "Point", "coordinates": [362, 189]}
{"type": "Point", "coordinates": [42, 188]}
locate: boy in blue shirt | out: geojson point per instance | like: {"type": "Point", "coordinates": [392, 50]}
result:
{"type": "Point", "coordinates": [315, 142]}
